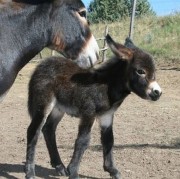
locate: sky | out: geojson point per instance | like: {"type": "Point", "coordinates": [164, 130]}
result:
{"type": "Point", "coordinates": [161, 7]}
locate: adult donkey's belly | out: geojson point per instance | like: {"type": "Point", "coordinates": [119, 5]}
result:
{"type": "Point", "coordinates": [7, 78]}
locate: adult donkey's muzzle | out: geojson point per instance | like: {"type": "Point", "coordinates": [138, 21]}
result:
{"type": "Point", "coordinates": [89, 54]}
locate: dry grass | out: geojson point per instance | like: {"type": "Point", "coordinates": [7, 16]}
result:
{"type": "Point", "coordinates": [158, 35]}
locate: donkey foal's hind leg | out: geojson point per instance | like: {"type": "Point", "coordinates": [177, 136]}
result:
{"type": "Point", "coordinates": [32, 137]}
{"type": "Point", "coordinates": [49, 130]}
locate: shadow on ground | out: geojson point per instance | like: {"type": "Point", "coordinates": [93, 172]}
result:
{"type": "Point", "coordinates": [7, 170]}
{"type": "Point", "coordinates": [174, 145]}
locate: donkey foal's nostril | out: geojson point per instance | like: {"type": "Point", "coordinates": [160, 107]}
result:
{"type": "Point", "coordinates": [157, 92]}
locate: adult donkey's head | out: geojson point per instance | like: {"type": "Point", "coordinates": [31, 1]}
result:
{"type": "Point", "coordinates": [70, 32]}
{"type": "Point", "coordinates": [27, 26]}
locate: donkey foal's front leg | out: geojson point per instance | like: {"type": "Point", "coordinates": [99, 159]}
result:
{"type": "Point", "coordinates": [81, 145]}
{"type": "Point", "coordinates": [107, 140]}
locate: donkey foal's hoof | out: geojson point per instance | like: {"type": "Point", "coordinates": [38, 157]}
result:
{"type": "Point", "coordinates": [116, 176]}
{"type": "Point", "coordinates": [61, 170]}
{"type": "Point", "coordinates": [74, 177]}
{"type": "Point", "coordinates": [29, 171]}
{"type": "Point", "coordinates": [29, 176]}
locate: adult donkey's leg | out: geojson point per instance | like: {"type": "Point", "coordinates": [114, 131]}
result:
{"type": "Point", "coordinates": [81, 145]}
{"type": "Point", "coordinates": [107, 140]}
{"type": "Point", "coordinates": [49, 130]}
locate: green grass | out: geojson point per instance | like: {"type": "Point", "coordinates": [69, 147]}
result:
{"type": "Point", "coordinates": [160, 36]}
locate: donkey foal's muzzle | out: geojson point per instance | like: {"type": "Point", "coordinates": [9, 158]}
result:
{"type": "Point", "coordinates": [155, 95]}
{"type": "Point", "coordinates": [154, 91]}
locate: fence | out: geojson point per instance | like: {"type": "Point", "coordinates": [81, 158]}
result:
{"type": "Point", "coordinates": [105, 47]}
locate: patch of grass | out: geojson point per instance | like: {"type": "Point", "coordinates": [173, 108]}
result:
{"type": "Point", "coordinates": [160, 36]}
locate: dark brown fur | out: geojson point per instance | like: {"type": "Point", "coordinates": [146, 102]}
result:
{"type": "Point", "coordinates": [59, 86]}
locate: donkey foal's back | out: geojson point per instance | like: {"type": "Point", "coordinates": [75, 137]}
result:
{"type": "Point", "coordinates": [59, 86]}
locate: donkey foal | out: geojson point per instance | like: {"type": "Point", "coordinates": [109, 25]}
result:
{"type": "Point", "coordinates": [60, 86]}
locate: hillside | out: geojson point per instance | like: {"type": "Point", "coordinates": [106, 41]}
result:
{"type": "Point", "coordinates": [158, 35]}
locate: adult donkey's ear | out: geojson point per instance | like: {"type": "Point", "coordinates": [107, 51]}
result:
{"type": "Point", "coordinates": [119, 50]}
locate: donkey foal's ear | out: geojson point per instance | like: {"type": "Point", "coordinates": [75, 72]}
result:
{"type": "Point", "coordinates": [119, 50]}
{"type": "Point", "coordinates": [129, 43]}
{"type": "Point", "coordinates": [125, 53]}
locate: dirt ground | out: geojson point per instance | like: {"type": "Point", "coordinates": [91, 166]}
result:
{"type": "Point", "coordinates": [147, 135]}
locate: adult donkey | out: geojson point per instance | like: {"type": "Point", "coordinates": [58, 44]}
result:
{"type": "Point", "coordinates": [27, 26]}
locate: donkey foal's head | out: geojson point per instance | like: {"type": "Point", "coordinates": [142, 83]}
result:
{"type": "Point", "coordinates": [140, 69]}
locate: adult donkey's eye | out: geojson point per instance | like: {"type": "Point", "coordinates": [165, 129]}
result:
{"type": "Point", "coordinates": [83, 14]}
{"type": "Point", "coordinates": [141, 72]}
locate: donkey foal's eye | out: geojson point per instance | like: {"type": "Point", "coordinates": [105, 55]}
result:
{"type": "Point", "coordinates": [140, 72]}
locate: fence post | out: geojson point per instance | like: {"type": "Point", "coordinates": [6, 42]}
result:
{"type": "Point", "coordinates": [132, 20]}
{"type": "Point", "coordinates": [53, 53]}
{"type": "Point", "coordinates": [40, 55]}
{"type": "Point", "coordinates": [105, 45]}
